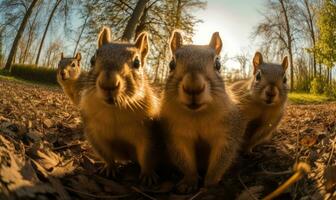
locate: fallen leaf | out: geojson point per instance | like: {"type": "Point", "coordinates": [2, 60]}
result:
{"type": "Point", "coordinates": [309, 140]}
{"type": "Point", "coordinates": [330, 178]}
{"type": "Point", "coordinates": [48, 123]}
{"type": "Point", "coordinates": [63, 170]}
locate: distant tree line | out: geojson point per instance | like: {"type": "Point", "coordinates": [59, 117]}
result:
{"type": "Point", "coordinates": [305, 30]}
{"type": "Point", "coordinates": [37, 31]}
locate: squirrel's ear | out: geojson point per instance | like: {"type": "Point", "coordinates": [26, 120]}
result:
{"type": "Point", "coordinates": [257, 61]}
{"type": "Point", "coordinates": [142, 44]}
{"type": "Point", "coordinates": [78, 56]}
{"type": "Point", "coordinates": [176, 41]}
{"type": "Point", "coordinates": [285, 63]}
{"type": "Point", "coordinates": [104, 36]}
{"type": "Point", "coordinates": [216, 43]}
{"type": "Point", "coordinates": [62, 55]}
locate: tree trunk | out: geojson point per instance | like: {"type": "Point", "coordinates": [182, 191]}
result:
{"type": "Point", "coordinates": [46, 30]}
{"type": "Point", "coordinates": [312, 34]}
{"type": "Point", "coordinates": [320, 66]}
{"type": "Point", "coordinates": [134, 20]}
{"type": "Point", "coordinates": [19, 35]}
{"type": "Point", "coordinates": [178, 15]}
{"type": "Point", "coordinates": [328, 76]}
{"type": "Point", "coordinates": [30, 37]}
{"type": "Point", "coordinates": [142, 23]}
{"type": "Point", "coordinates": [289, 41]}
{"type": "Point", "coordinates": [80, 35]}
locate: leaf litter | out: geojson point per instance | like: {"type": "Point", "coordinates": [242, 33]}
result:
{"type": "Point", "coordinates": [44, 155]}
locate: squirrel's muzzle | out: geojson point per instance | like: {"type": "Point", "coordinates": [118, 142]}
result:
{"type": "Point", "coordinates": [109, 83]}
{"type": "Point", "coordinates": [193, 84]}
{"type": "Point", "coordinates": [193, 91]}
{"type": "Point", "coordinates": [63, 75]}
{"type": "Point", "coordinates": [271, 94]}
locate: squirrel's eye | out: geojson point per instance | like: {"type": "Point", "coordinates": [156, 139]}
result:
{"type": "Point", "coordinates": [73, 65]}
{"type": "Point", "coordinates": [136, 63]}
{"type": "Point", "coordinates": [258, 76]}
{"type": "Point", "coordinates": [93, 60]}
{"type": "Point", "coordinates": [172, 65]}
{"type": "Point", "coordinates": [285, 79]}
{"type": "Point", "coordinates": [217, 64]}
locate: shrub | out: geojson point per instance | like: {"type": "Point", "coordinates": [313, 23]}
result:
{"type": "Point", "coordinates": [330, 90]}
{"type": "Point", "coordinates": [34, 73]}
{"type": "Point", "coordinates": [303, 84]}
{"type": "Point", "coordinates": [317, 85]}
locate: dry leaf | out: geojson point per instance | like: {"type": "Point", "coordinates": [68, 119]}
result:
{"type": "Point", "coordinates": [309, 140]}
{"type": "Point", "coordinates": [48, 123]}
{"type": "Point", "coordinates": [63, 170]}
{"type": "Point", "coordinates": [330, 178]}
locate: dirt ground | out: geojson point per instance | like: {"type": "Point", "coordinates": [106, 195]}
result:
{"type": "Point", "coordinates": [44, 155]}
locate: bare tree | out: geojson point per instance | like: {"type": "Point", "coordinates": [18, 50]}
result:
{"type": "Point", "coordinates": [158, 19]}
{"type": "Point", "coordinates": [80, 34]}
{"type": "Point", "coordinates": [57, 3]}
{"type": "Point", "coordinates": [242, 59]}
{"type": "Point", "coordinates": [19, 35]}
{"type": "Point", "coordinates": [307, 15]}
{"type": "Point", "coordinates": [52, 53]}
{"type": "Point", "coordinates": [134, 20]}
{"type": "Point", "coordinates": [31, 34]}
{"type": "Point", "coordinates": [278, 31]}
{"type": "Point", "coordinates": [285, 11]}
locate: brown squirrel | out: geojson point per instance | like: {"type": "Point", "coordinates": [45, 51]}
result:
{"type": "Point", "coordinates": [262, 99]}
{"type": "Point", "coordinates": [118, 104]}
{"type": "Point", "coordinates": [204, 129]}
{"type": "Point", "coordinates": [69, 76]}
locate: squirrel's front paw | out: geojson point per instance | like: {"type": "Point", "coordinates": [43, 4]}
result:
{"type": "Point", "coordinates": [186, 186]}
{"type": "Point", "coordinates": [148, 179]}
{"type": "Point", "coordinates": [109, 170]}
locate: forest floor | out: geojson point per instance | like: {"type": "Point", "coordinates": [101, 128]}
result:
{"type": "Point", "coordinates": [44, 155]}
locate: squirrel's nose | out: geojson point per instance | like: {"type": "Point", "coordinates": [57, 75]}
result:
{"type": "Point", "coordinates": [193, 84]}
{"type": "Point", "coordinates": [193, 91]}
{"type": "Point", "coordinates": [62, 74]}
{"type": "Point", "coordinates": [270, 94]}
{"type": "Point", "coordinates": [109, 86]}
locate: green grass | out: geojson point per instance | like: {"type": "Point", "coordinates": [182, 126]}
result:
{"type": "Point", "coordinates": [34, 73]}
{"type": "Point", "coordinates": [306, 98]}
{"type": "Point", "coordinates": [4, 75]}
{"type": "Point", "coordinates": [31, 74]}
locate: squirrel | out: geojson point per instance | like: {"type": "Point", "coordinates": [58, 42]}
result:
{"type": "Point", "coordinates": [204, 129]}
{"type": "Point", "coordinates": [262, 99]}
{"type": "Point", "coordinates": [118, 105]}
{"type": "Point", "coordinates": [70, 77]}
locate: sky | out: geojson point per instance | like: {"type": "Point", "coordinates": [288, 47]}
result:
{"type": "Point", "coordinates": [234, 20]}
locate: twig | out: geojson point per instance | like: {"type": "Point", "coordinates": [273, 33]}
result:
{"type": "Point", "coordinates": [297, 145]}
{"type": "Point", "coordinates": [332, 152]}
{"type": "Point", "coordinates": [66, 146]}
{"type": "Point", "coordinates": [266, 172]}
{"type": "Point", "coordinates": [297, 154]}
{"type": "Point", "coordinates": [98, 196]}
{"type": "Point", "coordinates": [201, 191]}
{"type": "Point", "coordinates": [246, 188]}
{"type": "Point", "coordinates": [142, 193]}
{"type": "Point", "coordinates": [301, 169]}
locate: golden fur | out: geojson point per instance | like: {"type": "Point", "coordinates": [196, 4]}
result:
{"type": "Point", "coordinates": [118, 105]}
{"type": "Point", "coordinates": [263, 113]}
{"type": "Point", "coordinates": [198, 114]}
{"type": "Point", "coordinates": [70, 77]}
